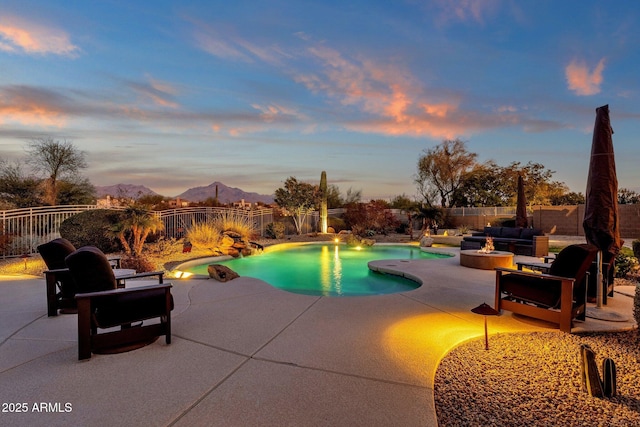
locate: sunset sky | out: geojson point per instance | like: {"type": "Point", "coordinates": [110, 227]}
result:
{"type": "Point", "coordinates": [179, 94]}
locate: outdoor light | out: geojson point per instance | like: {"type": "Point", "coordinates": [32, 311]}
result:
{"type": "Point", "coordinates": [336, 240]}
{"type": "Point", "coordinates": [183, 274]}
{"type": "Point", "coordinates": [485, 310]}
{"type": "Point", "coordinates": [25, 257]}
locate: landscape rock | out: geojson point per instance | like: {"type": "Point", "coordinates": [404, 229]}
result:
{"type": "Point", "coordinates": [221, 273]}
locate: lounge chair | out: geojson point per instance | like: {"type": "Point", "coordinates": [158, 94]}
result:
{"type": "Point", "coordinates": [102, 307]}
{"type": "Point", "coordinates": [558, 296]}
{"type": "Point", "coordinates": [61, 289]}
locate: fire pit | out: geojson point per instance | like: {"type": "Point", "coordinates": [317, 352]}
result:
{"type": "Point", "coordinates": [473, 258]}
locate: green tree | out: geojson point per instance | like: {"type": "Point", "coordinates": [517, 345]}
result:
{"type": "Point", "coordinates": [55, 160]}
{"type": "Point", "coordinates": [491, 185]}
{"type": "Point", "coordinates": [79, 192]}
{"type": "Point", "coordinates": [628, 197]}
{"type": "Point", "coordinates": [484, 185]}
{"type": "Point", "coordinates": [16, 189]}
{"type": "Point", "coordinates": [441, 171]}
{"type": "Point", "coordinates": [409, 207]}
{"type": "Point", "coordinates": [334, 199]}
{"type": "Point", "coordinates": [298, 198]}
{"type": "Point", "coordinates": [570, 198]}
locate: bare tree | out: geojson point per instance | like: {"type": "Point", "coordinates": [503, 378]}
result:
{"type": "Point", "coordinates": [441, 171]}
{"type": "Point", "coordinates": [54, 160]}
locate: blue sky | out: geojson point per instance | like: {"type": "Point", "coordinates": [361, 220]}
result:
{"type": "Point", "coordinates": [178, 94]}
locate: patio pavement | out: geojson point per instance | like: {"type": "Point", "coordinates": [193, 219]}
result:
{"type": "Point", "coordinates": [247, 354]}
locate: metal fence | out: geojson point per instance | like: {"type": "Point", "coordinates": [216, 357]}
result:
{"type": "Point", "coordinates": [176, 221]}
{"type": "Point", "coordinates": [22, 230]}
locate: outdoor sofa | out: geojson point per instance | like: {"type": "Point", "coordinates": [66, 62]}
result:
{"type": "Point", "coordinates": [519, 240]}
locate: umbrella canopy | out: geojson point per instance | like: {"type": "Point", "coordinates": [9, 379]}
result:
{"type": "Point", "coordinates": [601, 227]}
{"type": "Point", "coordinates": [521, 206]}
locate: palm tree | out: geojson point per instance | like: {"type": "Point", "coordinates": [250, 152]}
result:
{"type": "Point", "coordinates": [135, 227]}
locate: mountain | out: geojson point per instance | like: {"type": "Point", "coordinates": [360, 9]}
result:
{"type": "Point", "coordinates": [225, 194]}
{"type": "Point", "coordinates": [130, 191]}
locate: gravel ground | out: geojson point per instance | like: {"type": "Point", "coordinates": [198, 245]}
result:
{"type": "Point", "coordinates": [534, 379]}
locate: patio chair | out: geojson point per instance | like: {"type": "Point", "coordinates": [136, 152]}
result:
{"type": "Point", "coordinates": [558, 296]}
{"type": "Point", "coordinates": [106, 314]}
{"type": "Point", "coordinates": [61, 289]}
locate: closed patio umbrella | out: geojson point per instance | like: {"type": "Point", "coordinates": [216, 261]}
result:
{"type": "Point", "coordinates": [600, 224]}
{"type": "Point", "coordinates": [521, 205]}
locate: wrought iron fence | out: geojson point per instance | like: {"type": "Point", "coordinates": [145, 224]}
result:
{"type": "Point", "coordinates": [488, 211]}
{"type": "Point", "coordinates": [22, 230]}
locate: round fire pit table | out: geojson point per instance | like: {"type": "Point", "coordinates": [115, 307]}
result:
{"type": "Point", "coordinates": [486, 261]}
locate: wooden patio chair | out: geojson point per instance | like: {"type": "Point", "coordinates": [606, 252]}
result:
{"type": "Point", "coordinates": [558, 296]}
{"type": "Point", "coordinates": [61, 289]}
{"type": "Point", "coordinates": [107, 314]}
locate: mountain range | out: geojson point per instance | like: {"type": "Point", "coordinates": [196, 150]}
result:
{"type": "Point", "coordinates": [197, 194]}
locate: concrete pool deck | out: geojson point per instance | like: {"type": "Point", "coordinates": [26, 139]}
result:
{"type": "Point", "coordinates": [244, 353]}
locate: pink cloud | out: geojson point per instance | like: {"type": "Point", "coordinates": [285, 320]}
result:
{"type": "Point", "coordinates": [395, 100]}
{"type": "Point", "coordinates": [30, 107]}
{"type": "Point", "coordinates": [18, 35]}
{"type": "Point", "coordinates": [581, 80]}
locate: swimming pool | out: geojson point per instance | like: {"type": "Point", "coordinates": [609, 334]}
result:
{"type": "Point", "coordinates": [325, 269]}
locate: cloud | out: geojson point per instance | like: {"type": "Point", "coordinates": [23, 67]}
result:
{"type": "Point", "coordinates": [465, 10]}
{"type": "Point", "coordinates": [394, 101]}
{"type": "Point", "coordinates": [158, 92]}
{"type": "Point", "coordinates": [234, 47]}
{"type": "Point", "coordinates": [582, 81]}
{"type": "Point", "coordinates": [18, 35]}
{"type": "Point", "coordinates": [32, 106]}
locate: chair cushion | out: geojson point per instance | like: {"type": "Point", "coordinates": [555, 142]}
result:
{"type": "Point", "coordinates": [532, 289]}
{"type": "Point", "coordinates": [54, 253]}
{"type": "Point", "coordinates": [493, 231]}
{"type": "Point", "coordinates": [91, 270]}
{"type": "Point", "coordinates": [511, 232]}
{"type": "Point", "coordinates": [574, 261]}
{"type": "Point", "coordinates": [528, 233]}
{"type": "Point", "coordinates": [130, 307]}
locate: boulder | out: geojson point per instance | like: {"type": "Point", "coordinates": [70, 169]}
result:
{"type": "Point", "coordinates": [221, 273]}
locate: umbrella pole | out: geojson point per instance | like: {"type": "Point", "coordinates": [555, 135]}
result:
{"type": "Point", "coordinates": [599, 312]}
{"type": "Point", "coordinates": [599, 293]}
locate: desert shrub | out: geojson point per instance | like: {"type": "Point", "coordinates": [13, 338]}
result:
{"type": "Point", "coordinates": [164, 247]}
{"type": "Point", "coordinates": [206, 235]}
{"type": "Point", "coordinates": [92, 228]}
{"type": "Point", "coordinates": [403, 228]}
{"type": "Point", "coordinates": [337, 224]}
{"type": "Point", "coordinates": [375, 216]}
{"type": "Point", "coordinates": [625, 264]}
{"type": "Point", "coordinates": [139, 263]}
{"type": "Point", "coordinates": [636, 306]}
{"type": "Point", "coordinates": [274, 230]}
{"type": "Point", "coordinates": [462, 230]}
{"type": "Point", "coordinates": [232, 221]}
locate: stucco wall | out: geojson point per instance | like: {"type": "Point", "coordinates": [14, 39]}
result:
{"type": "Point", "coordinates": [562, 220]}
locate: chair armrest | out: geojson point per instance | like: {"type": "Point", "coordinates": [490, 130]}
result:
{"type": "Point", "coordinates": [543, 276]}
{"type": "Point", "coordinates": [160, 275]}
{"type": "Point", "coordinates": [120, 291]}
{"type": "Point", "coordinates": [114, 261]}
{"type": "Point", "coordinates": [58, 270]}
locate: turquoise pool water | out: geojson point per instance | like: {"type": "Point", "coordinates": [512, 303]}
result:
{"type": "Point", "coordinates": [326, 269]}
